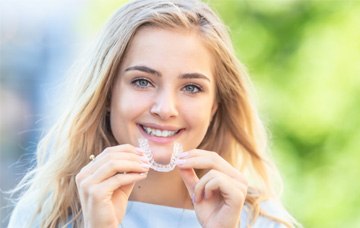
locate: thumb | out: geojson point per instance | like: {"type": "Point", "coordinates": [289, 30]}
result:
{"type": "Point", "coordinates": [190, 179]}
{"type": "Point", "coordinates": [122, 194]}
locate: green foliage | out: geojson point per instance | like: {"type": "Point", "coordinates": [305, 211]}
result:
{"type": "Point", "coordinates": [304, 59]}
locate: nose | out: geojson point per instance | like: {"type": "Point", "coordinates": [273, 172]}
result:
{"type": "Point", "coordinates": [165, 105]}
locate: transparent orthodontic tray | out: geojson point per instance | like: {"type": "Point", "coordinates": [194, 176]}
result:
{"type": "Point", "coordinates": [177, 149]}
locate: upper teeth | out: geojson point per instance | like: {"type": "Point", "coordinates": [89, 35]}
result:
{"type": "Point", "coordinates": [159, 133]}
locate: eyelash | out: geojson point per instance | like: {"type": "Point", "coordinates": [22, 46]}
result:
{"type": "Point", "coordinates": [136, 82]}
{"type": "Point", "coordinates": [197, 87]}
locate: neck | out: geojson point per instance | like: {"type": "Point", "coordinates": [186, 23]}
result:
{"type": "Point", "coordinates": [165, 189]}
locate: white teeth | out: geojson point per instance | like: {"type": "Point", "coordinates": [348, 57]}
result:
{"type": "Point", "coordinates": [159, 133]}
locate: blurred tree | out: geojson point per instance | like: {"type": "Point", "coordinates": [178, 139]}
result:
{"type": "Point", "coordinates": [303, 57]}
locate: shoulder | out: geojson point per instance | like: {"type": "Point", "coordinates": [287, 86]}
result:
{"type": "Point", "coordinates": [23, 215]}
{"type": "Point", "coordinates": [269, 209]}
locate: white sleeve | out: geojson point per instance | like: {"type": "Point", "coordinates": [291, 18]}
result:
{"type": "Point", "coordinates": [22, 215]}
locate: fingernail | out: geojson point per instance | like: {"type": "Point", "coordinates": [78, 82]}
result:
{"type": "Point", "coordinates": [183, 155]}
{"type": "Point", "coordinates": [180, 161]}
{"type": "Point", "coordinates": [193, 198]}
{"type": "Point", "coordinates": [139, 151]}
{"type": "Point", "coordinates": [145, 165]}
{"type": "Point", "coordinates": [144, 159]}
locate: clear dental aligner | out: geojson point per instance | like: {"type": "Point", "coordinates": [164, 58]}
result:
{"type": "Point", "coordinates": [177, 149]}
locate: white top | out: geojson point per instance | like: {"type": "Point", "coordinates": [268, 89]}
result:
{"type": "Point", "coordinates": [140, 215]}
{"type": "Point", "coordinates": [143, 215]}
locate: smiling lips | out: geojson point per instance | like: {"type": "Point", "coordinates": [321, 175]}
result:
{"type": "Point", "coordinates": [158, 132]}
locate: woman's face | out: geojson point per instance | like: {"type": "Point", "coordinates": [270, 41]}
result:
{"type": "Point", "coordinates": [165, 91]}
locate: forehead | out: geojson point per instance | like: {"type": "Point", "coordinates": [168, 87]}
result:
{"type": "Point", "coordinates": [178, 47]}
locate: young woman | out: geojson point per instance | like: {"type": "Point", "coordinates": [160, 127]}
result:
{"type": "Point", "coordinates": [163, 72]}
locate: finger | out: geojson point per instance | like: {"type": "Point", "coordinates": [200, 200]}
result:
{"type": "Point", "coordinates": [200, 186]}
{"type": "Point", "coordinates": [231, 191]}
{"type": "Point", "coordinates": [105, 189]}
{"type": "Point", "coordinates": [111, 168]}
{"type": "Point", "coordinates": [125, 148]}
{"type": "Point", "coordinates": [119, 149]}
{"type": "Point", "coordinates": [202, 159]}
{"type": "Point", "coordinates": [122, 152]}
{"type": "Point", "coordinates": [119, 180]}
{"type": "Point", "coordinates": [190, 180]}
{"type": "Point", "coordinates": [214, 184]}
{"type": "Point", "coordinates": [119, 160]}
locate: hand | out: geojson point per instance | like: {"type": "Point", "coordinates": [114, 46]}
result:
{"type": "Point", "coordinates": [104, 185]}
{"type": "Point", "coordinates": [220, 194]}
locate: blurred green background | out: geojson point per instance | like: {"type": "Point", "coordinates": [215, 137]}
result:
{"type": "Point", "coordinates": [303, 57]}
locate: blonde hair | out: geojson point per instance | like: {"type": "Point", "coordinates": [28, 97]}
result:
{"type": "Point", "coordinates": [235, 132]}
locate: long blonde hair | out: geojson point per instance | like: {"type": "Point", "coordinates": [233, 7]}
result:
{"type": "Point", "coordinates": [235, 132]}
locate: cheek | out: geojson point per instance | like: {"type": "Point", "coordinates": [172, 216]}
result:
{"type": "Point", "coordinates": [125, 110]}
{"type": "Point", "coordinates": [128, 106]}
{"type": "Point", "coordinates": [198, 115]}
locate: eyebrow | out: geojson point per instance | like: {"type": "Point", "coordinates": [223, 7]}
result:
{"type": "Point", "coordinates": [156, 73]}
{"type": "Point", "coordinates": [144, 69]}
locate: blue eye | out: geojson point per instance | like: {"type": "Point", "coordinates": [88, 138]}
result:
{"type": "Point", "coordinates": [141, 83]}
{"type": "Point", "coordinates": [192, 88]}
